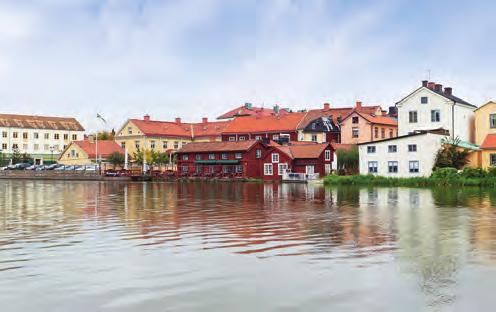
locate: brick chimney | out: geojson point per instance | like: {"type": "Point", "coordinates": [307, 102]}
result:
{"type": "Point", "coordinates": [204, 120]}
{"type": "Point", "coordinates": [178, 120]}
{"type": "Point", "coordinates": [438, 87]}
{"type": "Point", "coordinates": [358, 104]}
{"type": "Point", "coordinates": [146, 117]}
{"type": "Point", "coordinates": [431, 85]}
{"type": "Point", "coordinates": [448, 90]}
{"type": "Point", "coordinates": [424, 83]}
{"type": "Point", "coordinates": [327, 106]}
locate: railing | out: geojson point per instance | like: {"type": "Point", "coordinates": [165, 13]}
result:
{"type": "Point", "coordinates": [295, 176]}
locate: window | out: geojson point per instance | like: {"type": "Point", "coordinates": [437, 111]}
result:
{"type": "Point", "coordinates": [435, 115]}
{"type": "Point", "coordinates": [282, 168]}
{"type": "Point", "coordinates": [238, 155]}
{"type": "Point", "coordinates": [223, 156]}
{"type": "Point", "coordinates": [198, 157]}
{"type": "Point", "coordinates": [36, 135]}
{"type": "Point", "coordinates": [74, 137]}
{"type": "Point", "coordinates": [275, 158]}
{"type": "Point", "coordinates": [211, 156]}
{"type": "Point", "coordinates": [184, 168]}
{"type": "Point", "coordinates": [492, 159]}
{"type": "Point", "coordinates": [376, 132]}
{"type": "Point", "coordinates": [239, 169]}
{"type": "Point", "coordinates": [176, 144]}
{"type": "Point", "coordinates": [267, 169]}
{"type": "Point", "coordinates": [164, 145]}
{"type": "Point", "coordinates": [412, 147]}
{"type": "Point", "coordinates": [413, 166]}
{"type": "Point", "coordinates": [24, 147]}
{"type": "Point", "coordinates": [370, 149]}
{"type": "Point", "coordinates": [66, 136]}
{"type": "Point", "coordinates": [123, 145]}
{"type": "Point", "coordinates": [383, 133]}
{"type": "Point", "coordinates": [15, 146]}
{"type": "Point", "coordinates": [4, 146]}
{"type": "Point", "coordinates": [47, 136]}
{"type": "Point", "coordinates": [73, 153]}
{"type": "Point", "coordinates": [372, 166]}
{"type": "Point", "coordinates": [25, 135]}
{"type": "Point", "coordinates": [424, 100]}
{"type": "Point", "coordinates": [129, 130]}
{"type": "Point", "coordinates": [354, 132]}
{"type": "Point", "coordinates": [14, 135]}
{"type": "Point", "coordinates": [354, 120]}
{"type": "Point", "coordinates": [392, 166]}
{"type": "Point", "coordinates": [152, 145]}
{"type": "Point", "coordinates": [392, 149]}
{"type": "Point", "coordinates": [314, 138]}
{"type": "Point", "coordinates": [242, 138]}
{"type": "Point", "coordinates": [56, 136]}
{"type": "Point", "coordinates": [232, 139]}
{"type": "Point", "coordinates": [492, 121]}
{"type": "Point", "coordinates": [46, 147]}
{"type": "Point", "coordinates": [275, 137]}
{"type": "Point", "coordinates": [4, 134]}
{"type": "Point", "coordinates": [412, 117]}
{"type": "Point", "coordinates": [36, 147]}
{"type": "Point", "coordinates": [185, 157]}
{"type": "Point", "coordinates": [258, 153]}
{"type": "Point", "coordinates": [327, 155]}
{"type": "Point", "coordinates": [314, 126]}
{"type": "Point", "coordinates": [258, 137]}
{"type": "Point", "coordinates": [137, 144]}
{"type": "Point", "coordinates": [391, 133]}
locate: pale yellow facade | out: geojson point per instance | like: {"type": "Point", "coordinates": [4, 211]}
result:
{"type": "Point", "coordinates": [74, 155]}
{"type": "Point", "coordinates": [483, 123]}
{"type": "Point", "coordinates": [319, 137]}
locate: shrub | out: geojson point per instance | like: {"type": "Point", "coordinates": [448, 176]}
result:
{"type": "Point", "coordinates": [491, 172]}
{"type": "Point", "coordinates": [445, 173]}
{"type": "Point", "coordinates": [476, 173]}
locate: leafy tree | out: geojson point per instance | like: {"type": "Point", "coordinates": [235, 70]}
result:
{"type": "Point", "coordinates": [16, 156]}
{"type": "Point", "coordinates": [138, 157]}
{"type": "Point", "coordinates": [160, 158]}
{"type": "Point", "coordinates": [3, 159]}
{"type": "Point", "coordinates": [106, 135]}
{"type": "Point", "coordinates": [347, 160]}
{"type": "Point", "coordinates": [116, 159]}
{"type": "Point", "coordinates": [451, 155]}
{"type": "Point", "coordinates": [25, 158]}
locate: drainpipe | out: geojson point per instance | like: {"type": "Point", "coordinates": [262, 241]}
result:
{"type": "Point", "coordinates": [453, 120]}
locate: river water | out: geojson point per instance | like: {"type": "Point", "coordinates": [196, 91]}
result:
{"type": "Point", "coordinates": [90, 246]}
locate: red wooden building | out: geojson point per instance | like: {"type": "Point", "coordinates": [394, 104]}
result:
{"type": "Point", "coordinates": [297, 157]}
{"type": "Point", "coordinates": [221, 159]}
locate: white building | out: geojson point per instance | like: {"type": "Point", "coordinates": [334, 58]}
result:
{"type": "Point", "coordinates": [42, 137]}
{"type": "Point", "coordinates": [411, 155]}
{"type": "Point", "coordinates": [432, 107]}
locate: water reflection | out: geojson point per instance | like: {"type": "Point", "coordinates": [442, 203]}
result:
{"type": "Point", "coordinates": [425, 246]}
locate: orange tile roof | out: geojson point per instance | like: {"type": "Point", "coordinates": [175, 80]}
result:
{"type": "Point", "coordinates": [336, 113]}
{"type": "Point", "coordinates": [255, 124]}
{"type": "Point", "coordinates": [250, 111]}
{"type": "Point", "coordinates": [311, 150]}
{"type": "Point", "coordinates": [185, 130]}
{"type": "Point", "coordinates": [489, 142]}
{"type": "Point", "coordinates": [105, 148]}
{"type": "Point", "coordinates": [40, 122]}
{"type": "Point", "coordinates": [338, 146]}
{"type": "Point", "coordinates": [375, 119]}
{"type": "Point", "coordinates": [225, 146]}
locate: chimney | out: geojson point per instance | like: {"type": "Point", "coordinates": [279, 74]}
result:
{"type": "Point", "coordinates": [448, 90]}
{"type": "Point", "coordinates": [146, 117]}
{"type": "Point", "coordinates": [178, 120]}
{"type": "Point", "coordinates": [393, 111]}
{"type": "Point", "coordinates": [424, 83]}
{"type": "Point", "coordinates": [204, 120]}
{"type": "Point", "coordinates": [358, 104]}
{"type": "Point", "coordinates": [327, 106]}
{"type": "Point", "coordinates": [248, 106]}
{"type": "Point", "coordinates": [431, 85]}
{"type": "Point", "coordinates": [91, 138]}
{"type": "Point", "coordinates": [438, 87]}
{"type": "Point", "coordinates": [276, 109]}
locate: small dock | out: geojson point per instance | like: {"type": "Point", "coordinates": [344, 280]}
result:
{"type": "Point", "coordinates": [296, 177]}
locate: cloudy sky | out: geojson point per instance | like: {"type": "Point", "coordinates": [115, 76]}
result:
{"type": "Point", "coordinates": [195, 58]}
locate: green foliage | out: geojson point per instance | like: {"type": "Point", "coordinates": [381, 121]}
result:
{"type": "Point", "coordinates": [473, 173]}
{"type": "Point", "coordinates": [347, 160]}
{"type": "Point", "coordinates": [451, 155]}
{"type": "Point", "coordinates": [491, 172]}
{"type": "Point", "coordinates": [160, 159]}
{"type": "Point", "coordinates": [106, 135]}
{"type": "Point", "coordinates": [445, 173]}
{"type": "Point", "coordinates": [3, 159]}
{"type": "Point", "coordinates": [116, 159]}
{"type": "Point", "coordinates": [16, 156]}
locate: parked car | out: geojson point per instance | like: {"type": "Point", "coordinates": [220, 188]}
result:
{"type": "Point", "coordinates": [20, 166]}
{"type": "Point", "coordinates": [41, 168]}
{"type": "Point", "coordinates": [52, 166]}
{"type": "Point", "coordinates": [32, 167]}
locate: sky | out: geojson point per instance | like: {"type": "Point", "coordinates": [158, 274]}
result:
{"type": "Point", "coordinates": [199, 58]}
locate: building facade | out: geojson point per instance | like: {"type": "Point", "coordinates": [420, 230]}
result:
{"type": "Point", "coordinates": [410, 155]}
{"type": "Point", "coordinates": [359, 127]}
{"type": "Point", "coordinates": [431, 107]}
{"type": "Point", "coordinates": [84, 152]}
{"type": "Point", "coordinates": [42, 137]}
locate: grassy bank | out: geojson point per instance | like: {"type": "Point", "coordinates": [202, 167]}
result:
{"type": "Point", "coordinates": [456, 180]}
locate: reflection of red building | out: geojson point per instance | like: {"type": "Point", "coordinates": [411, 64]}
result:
{"type": "Point", "coordinates": [303, 157]}
{"type": "Point", "coordinates": [221, 159]}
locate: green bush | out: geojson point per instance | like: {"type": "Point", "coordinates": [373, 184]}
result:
{"type": "Point", "coordinates": [491, 172]}
{"type": "Point", "coordinates": [445, 173]}
{"type": "Point", "coordinates": [470, 173]}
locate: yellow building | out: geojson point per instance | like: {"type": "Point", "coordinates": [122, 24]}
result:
{"type": "Point", "coordinates": [485, 134]}
{"type": "Point", "coordinates": [165, 136]}
{"type": "Point", "coordinates": [84, 152]}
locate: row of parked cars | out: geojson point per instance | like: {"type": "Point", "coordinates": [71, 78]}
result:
{"type": "Point", "coordinates": [56, 167]}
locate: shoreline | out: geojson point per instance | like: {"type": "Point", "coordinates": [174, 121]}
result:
{"type": "Point", "coordinates": [371, 180]}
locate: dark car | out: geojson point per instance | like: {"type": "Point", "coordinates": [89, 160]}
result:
{"type": "Point", "coordinates": [20, 166]}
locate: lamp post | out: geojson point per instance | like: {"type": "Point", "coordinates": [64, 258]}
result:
{"type": "Point", "coordinates": [98, 116]}
{"type": "Point", "coordinates": [51, 151]}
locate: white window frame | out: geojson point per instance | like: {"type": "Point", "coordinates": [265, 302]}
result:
{"type": "Point", "coordinates": [491, 163]}
{"type": "Point", "coordinates": [258, 137]}
{"type": "Point", "coordinates": [242, 138]}
{"type": "Point", "coordinates": [392, 148]}
{"type": "Point", "coordinates": [232, 139]}
{"type": "Point", "coordinates": [410, 119]}
{"type": "Point", "coordinates": [312, 167]}
{"type": "Point", "coordinates": [275, 158]}
{"type": "Point", "coordinates": [373, 164]}
{"type": "Point", "coordinates": [413, 151]}
{"type": "Point", "coordinates": [436, 115]}
{"type": "Point", "coordinates": [327, 155]}
{"type": "Point", "coordinates": [268, 169]}
{"type": "Point", "coordinates": [275, 137]}
{"type": "Point", "coordinates": [258, 153]}
{"type": "Point", "coordinates": [371, 149]}
{"type": "Point", "coordinates": [391, 164]}
{"type": "Point", "coordinates": [281, 167]}
{"type": "Point", "coordinates": [417, 167]}
{"type": "Point", "coordinates": [238, 155]}
{"type": "Point", "coordinates": [355, 130]}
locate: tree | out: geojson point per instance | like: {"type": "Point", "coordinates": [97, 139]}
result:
{"type": "Point", "coordinates": [138, 157]}
{"type": "Point", "coordinates": [16, 156]}
{"type": "Point", "coordinates": [116, 159]}
{"type": "Point", "coordinates": [3, 159]}
{"type": "Point", "coordinates": [451, 155]}
{"type": "Point", "coordinates": [160, 159]}
{"type": "Point", "coordinates": [105, 135]}
{"type": "Point", "coordinates": [347, 160]}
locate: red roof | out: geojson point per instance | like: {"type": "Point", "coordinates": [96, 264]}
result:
{"type": "Point", "coordinates": [255, 124]}
{"type": "Point", "coordinates": [175, 129]}
{"type": "Point", "coordinates": [312, 150]}
{"type": "Point", "coordinates": [375, 119]}
{"type": "Point", "coordinates": [335, 113]}
{"type": "Point", "coordinates": [248, 110]}
{"type": "Point", "coordinates": [337, 146]}
{"type": "Point", "coordinates": [489, 142]}
{"type": "Point", "coordinates": [237, 146]}
{"type": "Point", "coordinates": [105, 148]}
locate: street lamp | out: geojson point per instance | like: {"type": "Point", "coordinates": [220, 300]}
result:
{"type": "Point", "coordinates": [98, 116]}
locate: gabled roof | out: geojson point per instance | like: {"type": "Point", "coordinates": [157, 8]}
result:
{"type": "Point", "coordinates": [489, 142]}
{"type": "Point", "coordinates": [249, 110]}
{"type": "Point", "coordinates": [255, 124]}
{"type": "Point", "coordinates": [237, 146]}
{"type": "Point", "coordinates": [382, 120]}
{"type": "Point", "coordinates": [175, 129]}
{"type": "Point", "coordinates": [442, 93]}
{"type": "Point", "coordinates": [105, 148]}
{"type": "Point", "coordinates": [338, 146]}
{"type": "Point", "coordinates": [40, 122]}
{"type": "Point", "coordinates": [423, 132]}
{"type": "Point", "coordinates": [303, 151]}
{"type": "Point", "coordinates": [334, 113]}
{"type": "Point", "coordinates": [488, 103]}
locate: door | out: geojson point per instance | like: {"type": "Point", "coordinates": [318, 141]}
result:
{"type": "Point", "coordinates": [310, 169]}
